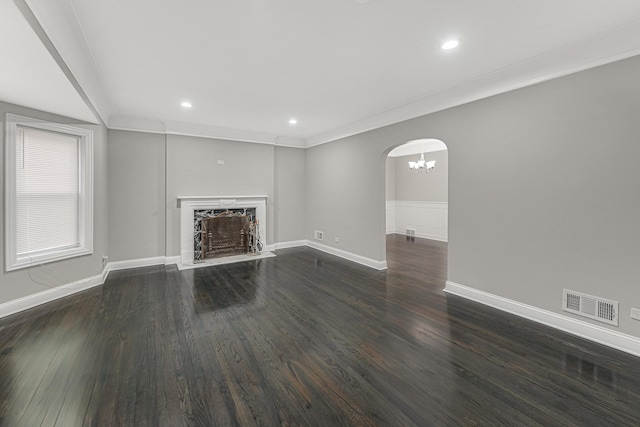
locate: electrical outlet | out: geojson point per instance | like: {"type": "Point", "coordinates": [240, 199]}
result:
{"type": "Point", "coordinates": [635, 313]}
{"type": "Point", "coordinates": [318, 235]}
{"type": "Point", "coordinates": [336, 239]}
{"type": "Point", "coordinates": [105, 260]}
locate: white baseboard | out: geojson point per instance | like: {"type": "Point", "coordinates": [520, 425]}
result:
{"type": "Point", "coordinates": [133, 263]}
{"type": "Point", "coordinates": [432, 237]}
{"type": "Point", "coordinates": [422, 235]}
{"type": "Point", "coordinates": [291, 244]}
{"type": "Point", "coordinates": [34, 300]}
{"type": "Point", "coordinates": [378, 265]}
{"type": "Point", "coordinates": [608, 337]}
{"type": "Point", "coordinates": [172, 260]}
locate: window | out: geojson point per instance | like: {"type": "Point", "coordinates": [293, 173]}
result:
{"type": "Point", "coordinates": [49, 192]}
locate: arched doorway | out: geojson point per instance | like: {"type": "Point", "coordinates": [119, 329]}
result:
{"type": "Point", "coordinates": [417, 194]}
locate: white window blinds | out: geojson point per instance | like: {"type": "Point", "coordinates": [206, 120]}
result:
{"type": "Point", "coordinates": [47, 191]}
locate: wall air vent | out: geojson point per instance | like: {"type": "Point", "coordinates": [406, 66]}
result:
{"type": "Point", "coordinates": [600, 309]}
{"type": "Point", "coordinates": [411, 232]}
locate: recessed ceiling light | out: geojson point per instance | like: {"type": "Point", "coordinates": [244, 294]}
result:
{"type": "Point", "coordinates": [293, 122]}
{"type": "Point", "coordinates": [451, 44]}
{"type": "Point", "coordinates": [186, 104]}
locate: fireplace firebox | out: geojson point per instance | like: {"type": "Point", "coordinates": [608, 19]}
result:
{"type": "Point", "coordinates": [195, 253]}
{"type": "Point", "coordinates": [225, 232]}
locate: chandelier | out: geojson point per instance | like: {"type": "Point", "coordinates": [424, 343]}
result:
{"type": "Point", "coordinates": [422, 165]}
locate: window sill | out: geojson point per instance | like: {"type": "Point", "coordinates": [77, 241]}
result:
{"type": "Point", "coordinates": [43, 258]}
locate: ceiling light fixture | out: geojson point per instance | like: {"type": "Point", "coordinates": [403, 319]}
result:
{"type": "Point", "coordinates": [186, 104]}
{"type": "Point", "coordinates": [293, 122]}
{"type": "Point", "coordinates": [450, 44]}
{"type": "Point", "coordinates": [422, 165]}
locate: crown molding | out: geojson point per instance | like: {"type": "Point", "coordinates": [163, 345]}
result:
{"type": "Point", "coordinates": [620, 43]}
{"type": "Point", "coordinates": [136, 124]}
{"type": "Point", "coordinates": [215, 132]}
{"type": "Point", "coordinates": [291, 142]}
{"type": "Point", "coordinates": [140, 124]}
{"type": "Point", "coordinates": [58, 23]}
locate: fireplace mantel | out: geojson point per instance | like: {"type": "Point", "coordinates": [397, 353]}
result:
{"type": "Point", "coordinates": [188, 204]}
{"type": "Point", "coordinates": [182, 199]}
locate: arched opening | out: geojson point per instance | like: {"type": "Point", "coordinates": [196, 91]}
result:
{"type": "Point", "coordinates": [417, 202]}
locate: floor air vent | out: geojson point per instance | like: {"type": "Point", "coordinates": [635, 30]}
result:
{"type": "Point", "coordinates": [596, 308]}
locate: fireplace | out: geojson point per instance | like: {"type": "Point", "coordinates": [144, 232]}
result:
{"type": "Point", "coordinates": [225, 232]}
{"type": "Point", "coordinates": [217, 230]}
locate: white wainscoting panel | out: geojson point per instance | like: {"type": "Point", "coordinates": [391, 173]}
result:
{"type": "Point", "coordinates": [390, 210]}
{"type": "Point", "coordinates": [429, 219]}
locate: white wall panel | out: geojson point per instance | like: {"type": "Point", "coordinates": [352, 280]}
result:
{"type": "Point", "coordinates": [429, 219]}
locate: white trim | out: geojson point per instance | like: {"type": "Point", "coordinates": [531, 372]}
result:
{"type": "Point", "coordinates": [290, 142]}
{"type": "Point", "coordinates": [421, 235]}
{"type": "Point", "coordinates": [378, 265]}
{"type": "Point", "coordinates": [598, 334]}
{"type": "Point", "coordinates": [428, 219]}
{"type": "Point", "coordinates": [85, 205]}
{"type": "Point", "coordinates": [197, 198]}
{"type": "Point", "coordinates": [134, 263]}
{"type": "Point", "coordinates": [34, 300]}
{"type": "Point", "coordinates": [418, 146]}
{"type": "Point", "coordinates": [124, 128]}
{"type": "Point", "coordinates": [172, 260]}
{"type": "Point", "coordinates": [133, 124]}
{"type": "Point", "coordinates": [239, 137]}
{"type": "Point", "coordinates": [291, 244]}
{"type": "Point", "coordinates": [419, 202]}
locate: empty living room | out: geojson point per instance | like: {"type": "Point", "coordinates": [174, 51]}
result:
{"type": "Point", "coordinates": [347, 212]}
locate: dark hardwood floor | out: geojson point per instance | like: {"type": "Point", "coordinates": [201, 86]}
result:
{"type": "Point", "coordinates": [302, 339]}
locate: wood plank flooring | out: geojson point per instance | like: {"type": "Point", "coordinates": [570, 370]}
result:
{"type": "Point", "coordinates": [302, 339]}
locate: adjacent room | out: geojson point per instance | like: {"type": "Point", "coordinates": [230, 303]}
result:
{"type": "Point", "coordinates": [353, 212]}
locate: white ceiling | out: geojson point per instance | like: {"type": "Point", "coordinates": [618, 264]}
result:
{"type": "Point", "coordinates": [338, 66]}
{"type": "Point", "coordinates": [29, 75]}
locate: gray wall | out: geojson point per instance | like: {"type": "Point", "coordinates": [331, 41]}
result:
{"type": "Point", "coordinates": [27, 281]}
{"type": "Point", "coordinates": [148, 172]}
{"type": "Point", "coordinates": [192, 170]}
{"type": "Point", "coordinates": [542, 189]}
{"type": "Point", "coordinates": [390, 180]}
{"type": "Point", "coordinates": [428, 187]}
{"type": "Point", "coordinates": [136, 195]}
{"type": "Point", "coordinates": [290, 194]}
{"type": "Point", "coordinates": [345, 195]}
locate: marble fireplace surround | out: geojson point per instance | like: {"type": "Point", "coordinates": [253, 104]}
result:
{"type": "Point", "coordinates": [189, 204]}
